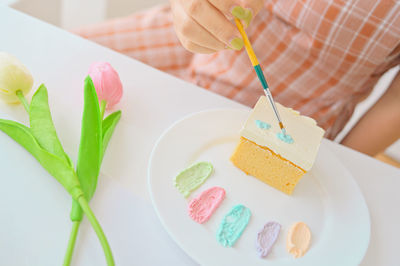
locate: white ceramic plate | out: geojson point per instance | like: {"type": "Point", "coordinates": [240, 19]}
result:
{"type": "Point", "coordinates": [327, 198]}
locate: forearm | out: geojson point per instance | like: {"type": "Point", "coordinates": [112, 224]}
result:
{"type": "Point", "coordinates": [380, 126]}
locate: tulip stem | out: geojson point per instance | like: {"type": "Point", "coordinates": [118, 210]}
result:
{"type": "Point", "coordinates": [97, 228]}
{"type": "Point", "coordinates": [23, 100]}
{"type": "Point", "coordinates": [103, 104]}
{"type": "Point", "coordinates": [71, 243]}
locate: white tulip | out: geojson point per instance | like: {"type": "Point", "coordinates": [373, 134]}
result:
{"type": "Point", "coordinates": [14, 76]}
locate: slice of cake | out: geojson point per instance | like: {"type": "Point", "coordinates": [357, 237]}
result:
{"type": "Point", "coordinates": [265, 153]}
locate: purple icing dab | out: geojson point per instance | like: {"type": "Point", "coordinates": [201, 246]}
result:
{"type": "Point", "coordinates": [267, 237]}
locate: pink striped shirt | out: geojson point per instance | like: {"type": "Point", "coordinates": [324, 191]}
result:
{"type": "Point", "coordinates": [320, 57]}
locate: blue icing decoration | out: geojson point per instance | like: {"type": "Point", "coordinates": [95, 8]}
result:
{"type": "Point", "coordinates": [233, 225]}
{"type": "Point", "coordinates": [262, 124]}
{"type": "Point", "coordinates": [285, 137]}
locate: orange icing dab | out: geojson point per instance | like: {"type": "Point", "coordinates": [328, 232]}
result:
{"type": "Point", "coordinates": [298, 239]}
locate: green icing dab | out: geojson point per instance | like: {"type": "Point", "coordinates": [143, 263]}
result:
{"type": "Point", "coordinates": [193, 177]}
{"type": "Point", "coordinates": [233, 225]}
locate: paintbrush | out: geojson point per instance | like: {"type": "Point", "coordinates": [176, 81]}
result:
{"type": "Point", "coordinates": [259, 72]}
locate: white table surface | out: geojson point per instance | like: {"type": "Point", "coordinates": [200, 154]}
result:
{"type": "Point", "coordinates": [34, 232]}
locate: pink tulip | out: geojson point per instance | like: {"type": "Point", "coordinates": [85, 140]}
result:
{"type": "Point", "coordinates": [106, 82]}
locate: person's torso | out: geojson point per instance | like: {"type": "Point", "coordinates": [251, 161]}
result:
{"type": "Point", "coordinates": [319, 57]}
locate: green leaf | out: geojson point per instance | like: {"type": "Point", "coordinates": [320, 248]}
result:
{"type": "Point", "coordinates": [42, 127]}
{"type": "Point", "coordinates": [90, 148]}
{"type": "Point", "coordinates": [57, 167]}
{"type": "Point", "coordinates": [108, 126]}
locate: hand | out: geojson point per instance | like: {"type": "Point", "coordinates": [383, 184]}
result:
{"type": "Point", "coordinates": [204, 26]}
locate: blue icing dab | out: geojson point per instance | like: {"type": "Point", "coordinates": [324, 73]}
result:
{"type": "Point", "coordinates": [285, 137]}
{"type": "Point", "coordinates": [233, 225]}
{"type": "Point", "coordinates": [262, 124]}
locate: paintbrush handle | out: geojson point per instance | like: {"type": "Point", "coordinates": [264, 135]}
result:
{"type": "Point", "coordinates": [257, 68]}
{"type": "Point", "coordinates": [247, 44]}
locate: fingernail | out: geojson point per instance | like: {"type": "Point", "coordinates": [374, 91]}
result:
{"type": "Point", "coordinates": [238, 12]}
{"type": "Point", "coordinates": [244, 14]}
{"type": "Point", "coordinates": [248, 18]}
{"type": "Point", "coordinates": [237, 43]}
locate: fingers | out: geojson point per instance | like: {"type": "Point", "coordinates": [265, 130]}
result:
{"type": "Point", "coordinates": [197, 34]}
{"type": "Point", "coordinates": [215, 22]}
{"type": "Point", "coordinates": [205, 26]}
{"type": "Point", "coordinates": [241, 9]}
{"type": "Point", "coordinates": [192, 35]}
{"type": "Point", "coordinates": [195, 48]}
{"type": "Point", "coordinates": [225, 6]}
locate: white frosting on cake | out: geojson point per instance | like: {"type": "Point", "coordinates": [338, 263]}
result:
{"type": "Point", "coordinates": [306, 134]}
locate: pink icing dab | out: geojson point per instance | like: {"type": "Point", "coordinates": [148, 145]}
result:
{"type": "Point", "coordinates": [201, 208]}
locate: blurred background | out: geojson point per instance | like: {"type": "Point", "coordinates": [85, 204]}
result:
{"type": "Point", "coordinates": [70, 14]}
